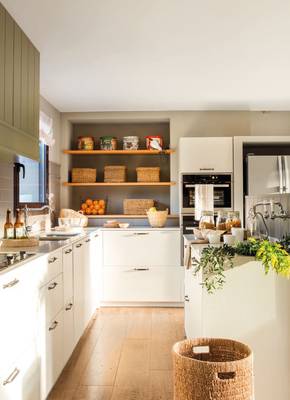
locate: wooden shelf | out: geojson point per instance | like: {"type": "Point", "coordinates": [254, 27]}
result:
{"type": "Point", "coordinates": [125, 216]}
{"type": "Point", "coordinates": [123, 152]}
{"type": "Point", "coordinates": [120, 184]}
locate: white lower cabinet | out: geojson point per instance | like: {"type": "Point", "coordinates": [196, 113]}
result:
{"type": "Point", "coordinates": [68, 330]}
{"type": "Point", "coordinates": [21, 379]}
{"type": "Point", "coordinates": [53, 358]}
{"type": "Point", "coordinates": [143, 284]}
{"type": "Point", "coordinates": [79, 290]}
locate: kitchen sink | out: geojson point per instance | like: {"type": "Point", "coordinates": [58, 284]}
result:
{"type": "Point", "coordinates": [53, 238]}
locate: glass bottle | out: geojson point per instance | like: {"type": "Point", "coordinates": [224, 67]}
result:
{"type": "Point", "coordinates": [18, 226]}
{"type": "Point", "coordinates": [237, 220]}
{"type": "Point", "coordinates": [221, 221]}
{"type": "Point", "coordinates": [8, 226]}
{"type": "Point", "coordinates": [229, 221]}
{"type": "Point", "coordinates": [206, 220]}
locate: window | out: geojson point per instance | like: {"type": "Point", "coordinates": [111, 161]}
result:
{"type": "Point", "coordinates": [31, 180]}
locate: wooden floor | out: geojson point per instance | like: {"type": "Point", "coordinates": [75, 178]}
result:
{"type": "Point", "coordinates": [124, 355]}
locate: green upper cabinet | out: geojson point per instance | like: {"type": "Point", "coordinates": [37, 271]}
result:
{"type": "Point", "coordinates": [19, 90]}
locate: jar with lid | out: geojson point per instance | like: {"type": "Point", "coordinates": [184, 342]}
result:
{"type": "Point", "coordinates": [207, 220]}
{"type": "Point", "coordinates": [85, 143]}
{"type": "Point", "coordinates": [237, 220]}
{"type": "Point", "coordinates": [108, 143]}
{"type": "Point", "coordinates": [130, 143]}
{"type": "Point", "coordinates": [221, 221]}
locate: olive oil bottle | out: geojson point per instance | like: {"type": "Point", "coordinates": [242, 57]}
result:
{"type": "Point", "coordinates": [19, 231]}
{"type": "Point", "coordinates": [8, 226]}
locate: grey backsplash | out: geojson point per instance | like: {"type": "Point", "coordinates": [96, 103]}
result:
{"type": "Point", "coordinates": [6, 188]}
{"type": "Point", "coordinates": [277, 227]}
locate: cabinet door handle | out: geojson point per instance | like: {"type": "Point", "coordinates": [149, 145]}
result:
{"type": "Point", "coordinates": [11, 377]}
{"type": "Point", "coordinates": [96, 235]}
{"type": "Point", "coordinates": [68, 251]}
{"type": "Point", "coordinates": [11, 284]}
{"type": "Point", "coordinates": [141, 269]}
{"type": "Point", "coordinates": [52, 260]}
{"type": "Point", "coordinates": [206, 169]}
{"type": "Point", "coordinates": [53, 326]}
{"type": "Point", "coordinates": [79, 245]}
{"type": "Point", "coordinates": [52, 286]}
{"type": "Point", "coordinates": [88, 240]}
{"type": "Point", "coordinates": [140, 233]}
{"type": "Point", "coordinates": [186, 298]}
{"type": "Point", "coordinates": [69, 307]}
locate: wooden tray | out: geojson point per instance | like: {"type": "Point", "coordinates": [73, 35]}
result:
{"type": "Point", "coordinates": [17, 243]}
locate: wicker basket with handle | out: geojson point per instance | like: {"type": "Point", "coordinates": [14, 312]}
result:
{"type": "Point", "coordinates": [84, 175]}
{"type": "Point", "coordinates": [148, 174]}
{"type": "Point", "coordinates": [137, 206]}
{"type": "Point", "coordinates": [212, 369]}
{"type": "Point", "coordinates": [157, 219]}
{"type": "Point", "coordinates": [115, 173]}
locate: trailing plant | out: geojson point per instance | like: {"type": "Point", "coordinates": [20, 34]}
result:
{"type": "Point", "coordinates": [285, 243]}
{"type": "Point", "coordinates": [213, 262]}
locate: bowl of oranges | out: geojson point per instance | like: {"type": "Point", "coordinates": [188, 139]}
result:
{"type": "Point", "coordinates": [93, 207]}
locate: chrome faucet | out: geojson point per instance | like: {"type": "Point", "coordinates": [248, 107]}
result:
{"type": "Point", "coordinates": [272, 214]}
{"type": "Point", "coordinates": [26, 211]}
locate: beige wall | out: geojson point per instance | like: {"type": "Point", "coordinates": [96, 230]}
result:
{"type": "Point", "coordinates": [187, 123]}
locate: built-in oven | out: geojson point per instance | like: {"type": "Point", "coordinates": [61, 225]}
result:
{"type": "Point", "coordinates": [222, 191]}
{"type": "Point", "coordinates": [188, 223]}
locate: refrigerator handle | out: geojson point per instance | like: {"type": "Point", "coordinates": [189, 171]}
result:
{"type": "Point", "coordinates": [280, 169]}
{"type": "Point", "coordinates": [286, 175]}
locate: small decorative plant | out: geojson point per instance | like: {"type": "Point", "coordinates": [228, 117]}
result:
{"type": "Point", "coordinates": [214, 261]}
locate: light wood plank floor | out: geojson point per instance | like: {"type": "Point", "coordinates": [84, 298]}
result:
{"type": "Point", "coordinates": [125, 354]}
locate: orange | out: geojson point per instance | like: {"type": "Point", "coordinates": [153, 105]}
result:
{"type": "Point", "coordinates": [102, 203]}
{"type": "Point", "coordinates": [91, 206]}
{"type": "Point", "coordinates": [101, 211]}
{"type": "Point", "coordinates": [96, 206]}
{"type": "Point", "coordinates": [88, 211]}
{"type": "Point", "coordinates": [89, 202]}
{"type": "Point", "coordinates": [95, 203]}
{"type": "Point", "coordinates": [94, 212]}
{"type": "Point", "coordinates": [84, 206]}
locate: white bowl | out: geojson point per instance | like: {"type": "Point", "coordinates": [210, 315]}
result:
{"type": "Point", "coordinates": [214, 238]}
{"type": "Point", "coordinates": [124, 225]}
{"type": "Point", "coordinates": [229, 239]}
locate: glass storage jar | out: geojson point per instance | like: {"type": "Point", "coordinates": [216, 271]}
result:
{"type": "Point", "coordinates": [229, 221]}
{"type": "Point", "coordinates": [221, 221]}
{"type": "Point", "coordinates": [130, 143]}
{"type": "Point", "coordinates": [207, 220]}
{"type": "Point", "coordinates": [237, 220]}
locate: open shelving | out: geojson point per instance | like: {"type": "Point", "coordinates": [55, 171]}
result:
{"type": "Point", "coordinates": [120, 184]}
{"type": "Point", "coordinates": [119, 152]}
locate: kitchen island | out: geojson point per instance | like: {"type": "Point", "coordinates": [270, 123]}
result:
{"type": "Point", "coordinates": [252, 308]}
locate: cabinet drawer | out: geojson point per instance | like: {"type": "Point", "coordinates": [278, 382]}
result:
{"type": "Point", "coordinates": [67, 268]}
{"type": "Point", "coordinates": [158, 284]}
{"type": "Point", "coordinates": [21, 379]}
{"type": "Point", "coordinates": [52, 354]}
{"type": "Point", "coordinates": [138, 248]}
{"type": "Point", "coordinates": [68, 326]}
{"type": "Point", "coordinates": [53, 297]}
{"type": "Point", "coordinates": [53, 266]}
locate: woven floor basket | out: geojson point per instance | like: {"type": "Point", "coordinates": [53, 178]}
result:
{"type": "Point", "coordinates": [84, 175]}
{"type": "Point", "coordinates": [148, 174]}
{"type": "Point", "coordinates": [137, 206]}
{"type": "Point", "coordinates": [212, 369]}
{"type": "Point", "coordinates": [115, 173]}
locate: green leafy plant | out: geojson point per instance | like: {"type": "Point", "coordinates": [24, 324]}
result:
{"type": "Point", "coordinates": [248, 248]}
{"type": "Point", "coordinates": [285, 243]}
{"type": "Point", "coordinates": [274, 256]}
{"type": "Point", "coordinates": [213, 262]}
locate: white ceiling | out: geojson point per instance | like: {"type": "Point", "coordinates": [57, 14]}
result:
{"type": "Point", "coordinates": [160, 54]}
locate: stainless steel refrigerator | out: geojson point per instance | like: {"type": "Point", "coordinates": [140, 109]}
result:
{"type": "Point", "coordinates": [268, 175]}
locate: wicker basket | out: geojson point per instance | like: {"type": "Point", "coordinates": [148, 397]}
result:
{"type": "Point", "coordinates": [157, 219]}
{"type": "Point", "coordinates": [84, 175]}
{"type": "Point", "coordinates": [224, 371]}
{"type": "Point", "coordinates": [137, 206]}
{"type": "Point", "coordinates": [148, 174]}
{"type": "Point", "coordinates": [115, 173]}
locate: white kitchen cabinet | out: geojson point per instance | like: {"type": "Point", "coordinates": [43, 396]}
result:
{"type": "Point", "coordinates": [192, 305]}
{"type": "Point", "coordinates": [53, 266]}
{"type": "Point", "coordinates": [136, 248]}
{"type": "Point", "coordinates": [67, 268]}
{"type": "Point", "coordinates": [68, 330]}
{"type": "Point", "coordinates": [79, 260]}
{"type": "Point", "coordinates": [144, 284]}
{"type": "Point", "coordinates": [92, 250]}
{"type": "Point", "coordinates": [52, 357]}
{"type": "Point", "coordinates": [205, 155]}
{"type": "Point", "coordinates": [20, 380]}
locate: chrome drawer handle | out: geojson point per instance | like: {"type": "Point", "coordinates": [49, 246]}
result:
{"type": "Point", "coordinates": [140, 233]}
{"type": "Point", "coordinates": [52, 260]}
{"type": "Point", "coordinates": [53, 326]}
{"type": "Point", "coordinates": [52, 286]}
{"type": "Point", "coordinates": [79, 245]}
{"type": "Point", "coordinates": [88, 240]}
{"type": "Point", "coordinates": [69, 307]}
{"type": "Point", "coordinates": [11, 284]}
{"type": "Point", "coordinates": [68, 251]}
{"type": "Point", "coordinates": [11, 377]}
{"type": "Point", "coordinates": [206, 169]}
{"type": "Point", "coordinates": [141, 269]}
{"type": "Point", "coordinates": [186, 298]}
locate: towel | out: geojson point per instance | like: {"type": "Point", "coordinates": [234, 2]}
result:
{"type": "Point", "coordinates": [187, 256]}
{"type": "Point", "coordinates": [203, 200]}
